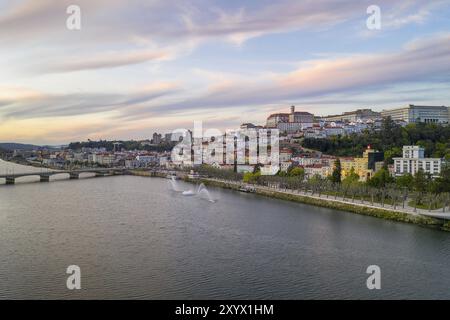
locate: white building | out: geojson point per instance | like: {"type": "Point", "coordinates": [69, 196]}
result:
{"type": "Point", "coordinates": [414, 159]}
{"type": "Point", "coordinates": [163, 161]}
{"type": "Point", "coordinates": [146, 159]}
{"type": "Point", "coordinates": [132, 163]}
{"type": "Point", "coordinates": [315, 133]}
{"type": "Point", "coordinates": [285, 165]}
{"type": "Point", "coordinates": [353, 116]}
{"type": "Point", "coordinates": [412, 113]}
{"type": "Point", "coordinates": [290, 122]}
{"type": "Point", "coordinates": [317, 169]}
{"type": "Point", "coordinates": [334, 131]}
{"type": "Point", "coordinates": [306, 161]}
{"type": "Point", "coordinates": [243, 168]}
{"type": "Point", "coordinates": [285, 155]}
{"type": "Point", "coordinates": [104, 159]}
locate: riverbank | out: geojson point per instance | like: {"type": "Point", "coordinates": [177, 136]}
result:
{"type": "Point", "coordinates": [147, 173]}
{"type": "Point", "coordinates": [363, 208]}
{"type": "Point", "coordinates": [358, 208]}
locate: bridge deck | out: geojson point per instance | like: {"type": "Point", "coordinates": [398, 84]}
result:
{"type": "Point", "coordinates": [51, 173]}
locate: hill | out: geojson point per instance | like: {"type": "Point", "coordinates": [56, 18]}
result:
{"type": "Point", "coordinates": [390, 139]}
{"type": "Point", "coordinates": [10, 146]}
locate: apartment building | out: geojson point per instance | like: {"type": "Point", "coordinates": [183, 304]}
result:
{"type": "Point", "coordinates": [414, 160]}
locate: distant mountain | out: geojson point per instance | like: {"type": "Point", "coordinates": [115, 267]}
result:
{"type": "Point", "coordinates": [20, 146]}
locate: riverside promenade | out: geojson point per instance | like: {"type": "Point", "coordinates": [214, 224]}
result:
{"type": "Point", "coordinates": [331, 198]}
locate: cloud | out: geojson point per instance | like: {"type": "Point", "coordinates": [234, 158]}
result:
{"type": "Point", "coordinates": [172, 41]}
{"type": "Point", "coordinates": [50, 105]}
{"type": "Point", "coordinates": [37, 20]}
{"type": "Point", "coordinates": [159, 31]}
{"type": "Point", "coordinates": [419, 61]}
{"type": "Point", "coordinates": [106, 60]}
{"type": "Point", "coordinates": [114, 21]}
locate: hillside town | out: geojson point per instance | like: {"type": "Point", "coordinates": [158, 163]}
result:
{"type": "Point", "coordinates": [294, 127]}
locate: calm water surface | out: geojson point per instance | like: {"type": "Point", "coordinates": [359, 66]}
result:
{"type": "Point", "coordinates": [134, 238]}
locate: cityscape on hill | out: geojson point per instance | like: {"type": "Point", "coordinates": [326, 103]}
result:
{"type": "Point", "coordinates": [224, 158]}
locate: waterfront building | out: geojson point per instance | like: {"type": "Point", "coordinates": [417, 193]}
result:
{"type": "Point", "coordinates": [147, 159]}
{"type": "Point", "coordinates": [285, 165]}
{"type": "Point", "coordinates": [317, 169]}
{"type": "Point", "coordinates": [414, 160]}
{"type": "Point", "coordinates": [244, 168]}
{"type": "Point", "coordinates": [364, 167]}
{"type": "Point", "coordinates": [413, 113]}
{"type": "Point", "coordinates": [132, 163]}
{"type": "Point", "coordinates": [163, 161]}
{"type": "Point", "coordinates": [53, 162]}
{"type": "Point", "coordinates": [102, 158]}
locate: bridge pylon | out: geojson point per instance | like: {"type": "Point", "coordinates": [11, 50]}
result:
{"type": "Point", "coordinates": [74, 175]}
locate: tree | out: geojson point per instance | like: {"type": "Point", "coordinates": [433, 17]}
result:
{"type": "Point", "coordinates": [282, 173]}
{"type": "Point", "coordinates": [336, 175]}
{"type": "Point", "coordinates": [405, 181]}
{"type": "Point", "coordinates": [250, 177]}
{"type": "Point", "coordinates": [352, 178]}
{"type": "Point", "coordinates": [380, 179]}
{"type": "Point", "coordinates": [391, 153]}
{"type": "Point", "coordinates": [420, 183]}
{"type": "Point", "coordinates": [389, 130]}
{"type": "Point", "coordinates": [442, 183]}
{"type": "Point", "coordinates": [296, 172]}
{"type": "Point", "coordinates": [316, 182]}
{"type": "Point", "coordinates": [390, 138]}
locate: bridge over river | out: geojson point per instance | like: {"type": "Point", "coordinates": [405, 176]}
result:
{"type": "Point", "coordinates": [73, 174]}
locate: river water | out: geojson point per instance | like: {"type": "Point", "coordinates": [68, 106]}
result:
{"type": "Point", "coordinates": [135, 238]}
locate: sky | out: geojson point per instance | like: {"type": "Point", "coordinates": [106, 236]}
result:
{"type": "Point", "coordinates": [139, 66]}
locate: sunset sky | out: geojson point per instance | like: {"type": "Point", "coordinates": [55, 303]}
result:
{"type": "Point", "coordinates": [140, 66]}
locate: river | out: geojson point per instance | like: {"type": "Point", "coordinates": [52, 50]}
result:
{"type": "Point", "coordinates": [135, 238]}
